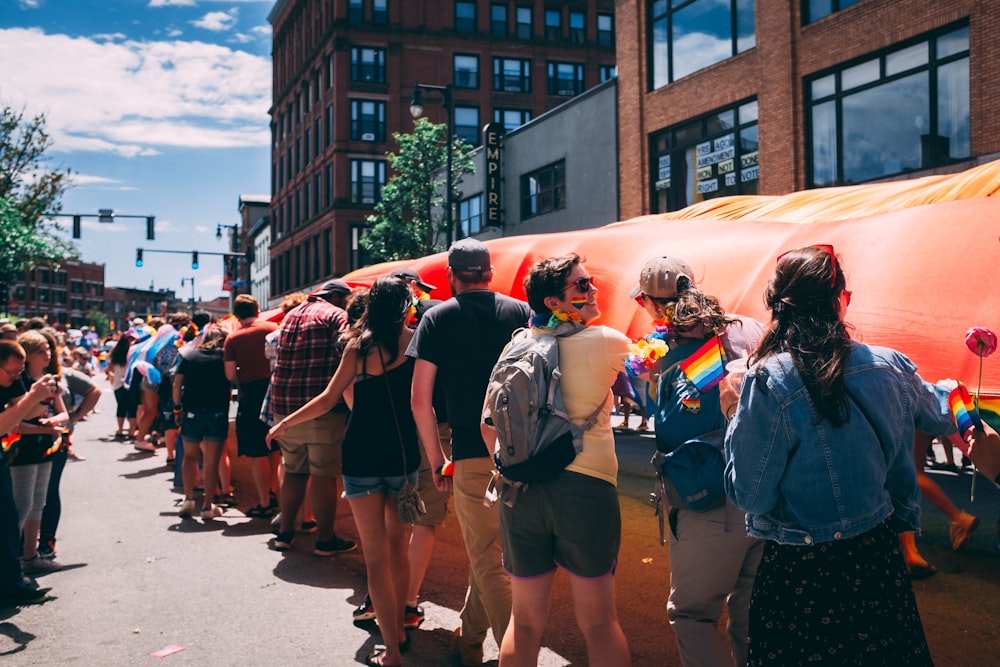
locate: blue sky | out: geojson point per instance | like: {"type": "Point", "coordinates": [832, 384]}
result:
{"type": "Point", "coordinates": [158, 107]}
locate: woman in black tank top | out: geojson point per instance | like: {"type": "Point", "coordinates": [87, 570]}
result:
{"type": "Point", "coordinates": [380, 448]}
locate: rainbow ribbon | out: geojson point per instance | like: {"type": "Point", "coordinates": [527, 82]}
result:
{"type": "Point", "coordinates": [963, 409]}
{"type": "Point", "coordinates": [706, 367]}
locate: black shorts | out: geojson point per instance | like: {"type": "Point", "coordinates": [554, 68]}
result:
{"type": "Point", "coordinates": [126, 408]}
{"type": "Point", "coordinates": [251, 432]}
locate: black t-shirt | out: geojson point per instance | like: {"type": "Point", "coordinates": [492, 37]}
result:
{"type": "Point", "coordinates": [463, 337]}
{"type": "Point", "coordinates": [33, 448]}
{"type": "Point", "coordinates": [205, 386]}
{"type": "Point", "coordinates": [8, 394]}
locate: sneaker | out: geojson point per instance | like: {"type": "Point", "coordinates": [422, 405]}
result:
{"type": "Point", "coordinates": [413, 617]}
{"type": "Point", "coordinates": [276, 523]}
{"type": "Point", "coordinates": [283, 542]}
{"type": "Point", "coordinates": [26, 596]}
{"type": "Point", "coordinates": [187, 509]}
{"type": "Point", "coordinates": [308, 527]}
{"type": "Point", "coordinates": [334, 545]}
{"type": "Point", "coordinates": [643, 426]}
{"type": "Point", "coordinates": [227, 499]}
{"type": "Point", "coordinates": [47, 547]}
{"type": "Point", "coordinates": [961, 529]}
{"type": "Point", "coordinates": [365, 611]}
{"type": "Point", "coordinates": [211, 512]}
{"type": "Point", "coordinates": [469, 655]}
{"type": "Point", "coordinates": [38, 565]}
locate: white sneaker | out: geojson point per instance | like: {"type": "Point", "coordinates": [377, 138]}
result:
{"type": "Point", "coordinates": [38, 565]}
{"type": "Point", "coordinates": [187, 510]}
{"type": "Point", "coordinates": [211, 512]}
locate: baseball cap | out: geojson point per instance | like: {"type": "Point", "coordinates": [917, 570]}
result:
{"type": "Point", "coordinates": [659, 278]}
{"type": "Point", "coordinates": [409, 274]}
{"type": "Point", "coordinates": [469, 255]}
{"type": "Point", "coordinates": [201, 318]}
{"type": "Point", "coordinates": [332, 288]}
{"type": "Point", "coordinates": [139, 322]}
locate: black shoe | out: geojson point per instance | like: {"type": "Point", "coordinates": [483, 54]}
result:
{"type": "Point", "coordinates": [283, 542]}
{"type": "Point", "coordinates": [26, 596]}
{"type": "Point", "coordinates": [334, 545]}
{"type": "Point", "coordinates": [365, 611]}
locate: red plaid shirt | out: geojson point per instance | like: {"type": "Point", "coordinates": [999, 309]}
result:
{"type": "Point", "coordinates": [307, 354]}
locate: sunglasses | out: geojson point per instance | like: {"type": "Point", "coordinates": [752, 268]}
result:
{"type": "Point", "coordinates": [825, 247]}
{"type": "Point", "coordinates": [664, 302]}
{"type": "Point", "coordinates": [582, 284]}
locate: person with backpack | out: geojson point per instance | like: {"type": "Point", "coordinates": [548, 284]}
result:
{"type": "Point", "coordinates": [819, 455]}
{"type": "Point", "coordinates": [712, 560]}
{"type": "Point", "coordinates": [540, 529]}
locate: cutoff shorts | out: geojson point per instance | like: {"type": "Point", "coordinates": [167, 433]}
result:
{"type": "Point", "coordinates": [208, 425]}
{"type": "Point", "coordinates": [314, 447]}
{"type": "Point", "coordinates": [572, 521]}
{"type": "Point", "coordinates": [359, 487]}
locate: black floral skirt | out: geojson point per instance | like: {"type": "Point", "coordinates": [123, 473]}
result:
{"type": "Point", "coordinates": [847, 602]}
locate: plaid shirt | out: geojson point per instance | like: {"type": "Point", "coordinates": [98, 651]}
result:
{"type": "Point", "coordinates": [307, 354]}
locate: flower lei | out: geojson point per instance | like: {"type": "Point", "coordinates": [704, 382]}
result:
{"type": "Point", "coordinates": [646, 351]}
{"type": "Point", "coordinates": [192, 327]}
{"type": "Point", "coordinates": [541, 321]}
{"type": "Point", "coordinates": [418, 296]}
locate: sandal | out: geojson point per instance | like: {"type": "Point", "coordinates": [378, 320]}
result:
{"type": "Point", "coordinates": [259, 512]}
{"type": "Point", "coordinates": [375, 659]}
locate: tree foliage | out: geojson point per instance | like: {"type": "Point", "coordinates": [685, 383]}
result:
{"type": "Point", "coordinates": [405, 225]}
{"type": "Point", "coordinates": [29, 195]}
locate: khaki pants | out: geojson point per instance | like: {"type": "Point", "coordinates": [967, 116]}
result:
{"type": "Point", "coordinates": [487, 602]}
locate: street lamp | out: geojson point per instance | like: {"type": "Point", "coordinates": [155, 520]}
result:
{"type": "Point", "coordinates": [417, 110]}
{"type": "Point", "coordinates": [189, 281]}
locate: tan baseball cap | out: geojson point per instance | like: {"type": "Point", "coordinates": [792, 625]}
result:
{"type": "Point", "coordinates": [659, 278]}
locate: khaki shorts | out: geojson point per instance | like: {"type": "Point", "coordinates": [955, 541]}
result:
{"type": "Point", "coordinates": [436, 502]}
{"type": "Point", "coordinates": [314, 447]}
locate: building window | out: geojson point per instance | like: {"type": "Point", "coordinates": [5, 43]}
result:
{"type": "Point", "coordinates": [543, 191]}
{"type": "Point", "coordinates": [317, 193]}
{"type": "Point", "coordinates": [307, 146]}
{"type": "Point", "coordinates": [317, 137]}
{"type": "Point", "coordinates": [904, 109]}
{"type": "Point", "coordinates": [814, 10]}
{"type": "Point", "coordinates": [466, 71]}
{"type": "Point", "coordinates": [565, 79]}
{"type": "Point", "coordinates": [470, 215]}
{"type": "Point", "coordinates": [498, 20]}
{"type": "Point", "coordinates": [553, 24]}
{"type": "Point", "coordinates": [380, 12]}
{"type": "Point", "coordinates": [467, 125]}
{"type": "Point", "coordinates": [367, 120]}
{"type": "Point", "coordinates": [511, 118]}
{"type": "Point", "coordinates": [608, 72]}
{"type": "Point", "coordinates": [329, 185]}
{"type": "Point", "coordinates": [367, 180]}
{"type": "Point", "coordinates": [709, 157]}
{"type": "Point", "coordinates": [465, 17]}
{"type": "Point", "coordinates": [524, 25]}
{"type": "Point", "coordinates": [329, 71]}
{"type": "Point", "coordinates": [359, 254]}
{"type": "Point", "coordinates": [605, 29]}
{"type": "Point", "coordinates": [512, 75]}
{"type": "Point", "coordinates": [685, 37]}
{"type": "Point", "coordinates": [577, 28]}
{"type": "Point", "coordinates": [367, 64]}
{"type": "Point", "coordinates": [355, 11]}
{"type": "Point", "coordinates": [329, 124]}
{"type": "Point", "coordinates": [327, 251]}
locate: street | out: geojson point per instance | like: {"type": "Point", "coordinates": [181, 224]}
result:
{"type": "Point", "coordinates": [138, 579]}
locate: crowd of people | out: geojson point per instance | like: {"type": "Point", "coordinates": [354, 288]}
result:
{"type": "Point", "coordinates": [368, 394]}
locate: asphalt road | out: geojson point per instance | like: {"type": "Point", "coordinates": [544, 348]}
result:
{"type": "Point", "coordinates": [139, 579]}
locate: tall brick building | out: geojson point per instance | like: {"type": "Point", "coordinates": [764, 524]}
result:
{"type": "Point", "coordinates": [741, 97]}
{"type": "Point", "coordinates": [343, 74]}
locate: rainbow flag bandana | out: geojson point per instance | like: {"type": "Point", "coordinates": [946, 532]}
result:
{"type": "Point", "coordinates": [963, 409]}
{"type": "Point", "coordinates": [706, 367]}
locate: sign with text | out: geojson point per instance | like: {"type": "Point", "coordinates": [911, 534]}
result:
{"type": "Point", "coordinates": [492, 140]}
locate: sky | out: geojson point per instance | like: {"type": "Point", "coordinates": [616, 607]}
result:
{"type": "Point", "coordinates": [158, 107]}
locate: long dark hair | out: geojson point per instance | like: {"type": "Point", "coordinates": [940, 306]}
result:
{"type": "Point", "coordinates": [119, 353]}
{"type": "Point", "coordinates": [389, 302]}
{"type": "Point", "coordinates": [697, 313]}
{"type": "Point", "coordinates": [804, 299]}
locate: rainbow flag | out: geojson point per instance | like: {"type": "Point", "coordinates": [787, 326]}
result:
{"type": "Point", "coordinates": [706, 367]}
{"type": "Point", "coordinates": [8, 441]}
{"type": "Point", "coordinates": [963, 409]}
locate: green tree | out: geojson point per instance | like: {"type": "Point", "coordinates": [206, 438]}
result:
{"type": "Point", "coordinates": [404, 225]}
{"type": "Point", "coordinates": [99, 321]}
{"type": "Point", "coordinates": [29, 194]}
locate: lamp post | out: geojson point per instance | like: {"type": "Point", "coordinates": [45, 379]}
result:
{"type": "Point", "coordinates": [189, 281]}
{"type": "Point", "coordinates": [417, 110]}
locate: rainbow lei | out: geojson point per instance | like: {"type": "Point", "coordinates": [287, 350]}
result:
{"type": "Point", "coordinates": [555, 319]}
{"type": "Point", "coordinates": [418, 296]}
{"type": "Point", "coordinates": [646, 351]}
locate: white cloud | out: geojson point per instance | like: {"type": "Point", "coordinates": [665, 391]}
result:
{"type": "Point", "coordinates": [217, 21]}
{"type": "Point", "coordinates": [28, 4]}
{"type": "Point", "coordinates": [131, 98]}
{"type": "Point", "coordinates": [89, 179]}
{"type": "Point", "coordinates": [239, 38]}
{"type": "Point", "coordinates": [174, 32]}
{"type": "Point", "coordinates": [172, 3]}
{"type": "Point", "coordinates": [262, 30]}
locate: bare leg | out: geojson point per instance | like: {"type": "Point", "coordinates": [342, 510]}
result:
{"type": "Point", "coordinates": [213, 451]}
{"type": "Point", "coordinates": [189, 467]}
{"type": "Point", "coordinates": [597, 616]}
{"type": "Point", "coordinates": [528, 616]}
{"type": "Point", "coordinates": [260, 469]}
{"type": "Point", "coordinates": [293, 490]}
{"type": "Point", "coordinates": [420, 551]}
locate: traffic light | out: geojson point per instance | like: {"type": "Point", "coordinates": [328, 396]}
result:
{"type": "Point", "coordinates": [194, 259]}
{"type": "Point", "coordinates": [150, 231]}
{"type": "Point", "coordinates": [138, 256]}
{"type": "Point", "coordinates": [76, 226]}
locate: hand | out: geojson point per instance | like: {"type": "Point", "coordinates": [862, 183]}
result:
{"type": "Point", "coordinates": [276, 431]}
{"type": "Point", "coordinates": [984, 450]}
{"type": "Point", "coordinates": [443, 484]}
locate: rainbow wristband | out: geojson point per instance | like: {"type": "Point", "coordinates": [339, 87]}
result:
{"type": "Point", "coordinates": [446, 469]}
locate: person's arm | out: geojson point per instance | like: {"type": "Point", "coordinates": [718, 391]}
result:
{"type": "Point", "coordinates": [324, 402]}
{"type": "Point", "coordinates": [422, 405]}
{"type": "Point", "coordinates": [230, 370]}
{"type": "Point", "coordinates": [25, 405]}
{"type": "Point", "coordinates": [89, 402]}
{"type": "Point", "coordinates": [984, 450]}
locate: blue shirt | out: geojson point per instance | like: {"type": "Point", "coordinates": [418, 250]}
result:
{"type": "Point", "coordinates": [800, 479]}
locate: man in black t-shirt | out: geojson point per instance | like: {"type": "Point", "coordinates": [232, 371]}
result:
{"type": "Point", "coordinates": [15, 404]}
{"type": "Point", "coordinates": [460, 341]}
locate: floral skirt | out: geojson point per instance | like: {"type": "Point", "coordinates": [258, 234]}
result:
{"type": "Point", "coordinates": [847, 602]}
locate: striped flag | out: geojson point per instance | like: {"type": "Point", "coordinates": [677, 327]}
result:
{"type": "Point", "coordinates": [706, 367]}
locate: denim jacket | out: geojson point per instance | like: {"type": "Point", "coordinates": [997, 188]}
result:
{"type": "Point", "coordinates": [803, 481]}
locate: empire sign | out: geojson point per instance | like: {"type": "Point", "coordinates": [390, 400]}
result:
{"type": "Point", "coordinates": [492, 137]}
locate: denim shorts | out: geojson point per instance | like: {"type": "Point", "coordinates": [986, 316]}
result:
{"type": "Point", "coordinates": [198, 426]}
{"type": "Point", "coordinates": [358, 487]}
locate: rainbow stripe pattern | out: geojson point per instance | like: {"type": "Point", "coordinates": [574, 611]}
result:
{"type": "Point", "coordinates": [706, 367]}
{"type": "Point", "coordinates": [578, 303]}
{"type": "Point", "coordinates": [8, 441]}
{"type": "Point", "coordinates": [963, 409]}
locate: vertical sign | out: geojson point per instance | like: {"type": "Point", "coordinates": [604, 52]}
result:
{"type": "Point", "coordinates": [492, 135]}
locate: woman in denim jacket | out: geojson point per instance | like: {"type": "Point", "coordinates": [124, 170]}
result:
{"type": "Point", "coordinates": [819, 455]}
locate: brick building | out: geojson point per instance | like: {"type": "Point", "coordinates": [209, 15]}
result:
{"type": "Point", "coordinates": [63, 293]}
{"type": "Point", "coordinates": [742, 97]}
{"type": "Point", "coordinates": [343, 74]}
{"type": "Point", "coordinates": [122, 304]}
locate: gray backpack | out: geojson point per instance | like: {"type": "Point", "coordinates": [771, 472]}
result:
{"type": "Point", "coordinates": [524, 403]}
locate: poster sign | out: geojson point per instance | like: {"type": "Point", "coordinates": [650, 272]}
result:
{"type": "Point", "coordinates": [492, 143]}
